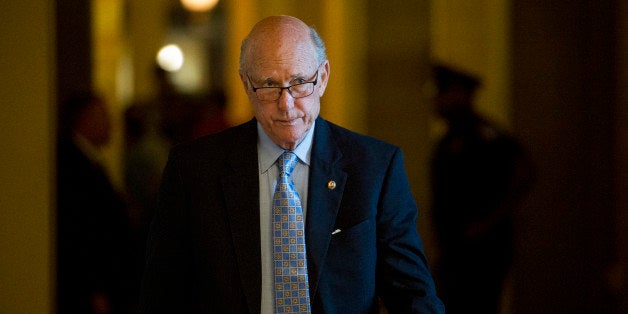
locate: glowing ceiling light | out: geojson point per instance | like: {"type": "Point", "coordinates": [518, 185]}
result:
{"type": "Point", "coordinates": [170, 58]}
{"type": "Point", "coordinates": [199, 5]}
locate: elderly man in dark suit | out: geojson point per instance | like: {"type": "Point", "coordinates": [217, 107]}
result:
{"type": "Point", "coordinates": [215, 246]}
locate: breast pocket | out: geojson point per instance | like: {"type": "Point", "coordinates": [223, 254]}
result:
{"type": "Point", "coordinates": [352, 256]}
{"type": "Point", "coordinates": [356, 243]}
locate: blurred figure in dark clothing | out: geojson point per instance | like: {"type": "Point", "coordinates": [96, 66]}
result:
{"type": "Point", "coordinates": [479, 174]}
{"type": "Point", "coordinates": [144, 156]}
{"type": "Point", "coordinates": [151, 128]}
{"type": "Point", "coordinates": [94, 236]}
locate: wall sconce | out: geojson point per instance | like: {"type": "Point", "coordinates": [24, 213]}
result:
{"type": "Point", "coordinates": [199, 5]}
{"type": "Point", "coordinates": [170, 58]}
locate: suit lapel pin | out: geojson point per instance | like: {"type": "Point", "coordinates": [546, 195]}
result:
{"type": "Point", "coordinates": [331, 184]}
{"type": "Point", "coordinates": [336, 231]}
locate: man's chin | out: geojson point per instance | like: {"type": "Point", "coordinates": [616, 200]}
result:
{"type": "Point", "coordinates": [290, 141]}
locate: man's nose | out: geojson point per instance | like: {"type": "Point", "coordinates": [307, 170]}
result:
{"type": "Point", "coordinates": [285, 101]}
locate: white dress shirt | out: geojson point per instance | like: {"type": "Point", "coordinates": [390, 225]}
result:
{"type": "Point", "coordinates": [268, 152]}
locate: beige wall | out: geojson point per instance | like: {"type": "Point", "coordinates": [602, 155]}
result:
{"type": "Point", "coordinates": [398, 115]}
{"type": "Point", "coordinates": [396, 70]}
{"type": "Point", "coordinates": [26, 161]}
{"type": "Point", "coordinates": [475, 36]}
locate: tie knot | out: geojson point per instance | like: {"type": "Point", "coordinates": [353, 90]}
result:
{"type": "Point", "coordinates": [287, 161]}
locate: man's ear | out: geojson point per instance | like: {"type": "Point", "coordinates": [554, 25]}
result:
{"type": "Point", "coordinates": [324, 78]}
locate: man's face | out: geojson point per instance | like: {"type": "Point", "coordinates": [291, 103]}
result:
{"type": "Point", "coordinates": [453, 102]}
{"type": "Point", "coordinates": [284, 61]}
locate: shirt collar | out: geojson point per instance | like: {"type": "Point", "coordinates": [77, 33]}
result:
{"type": "Point", "coordinates": [269, 151]}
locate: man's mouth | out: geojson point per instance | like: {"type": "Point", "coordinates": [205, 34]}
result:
{"type": "Point", "coordinates": [288, 121]}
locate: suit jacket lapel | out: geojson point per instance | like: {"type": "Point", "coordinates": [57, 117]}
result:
{"type": "Point", "coordinates": [241, 188]}
{"type": "Point", "coordinates": [323, 199]}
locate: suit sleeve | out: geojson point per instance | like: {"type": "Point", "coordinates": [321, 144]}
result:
{"type": "Point", "coordinates": [404, 280]}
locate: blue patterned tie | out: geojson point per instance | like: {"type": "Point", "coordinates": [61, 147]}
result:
{"type": "Point", "coordinates": [291, 281]}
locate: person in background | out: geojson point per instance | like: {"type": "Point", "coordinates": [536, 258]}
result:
{"type": "Point", "coordinates": [286, 212]}
{"type": "Point", "coordinates": [479, 176]}
{"type": "Point", "coordinates": [94, 236]}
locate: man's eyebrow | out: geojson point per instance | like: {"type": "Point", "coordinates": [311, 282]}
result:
{"type": "Point", "coordinates": [272, 81]}
{"type": "Point", "coordinates": [269, 80]}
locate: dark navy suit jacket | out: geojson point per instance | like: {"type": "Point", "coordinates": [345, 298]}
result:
{"type": "Point", "coordinates": [204, 248]}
